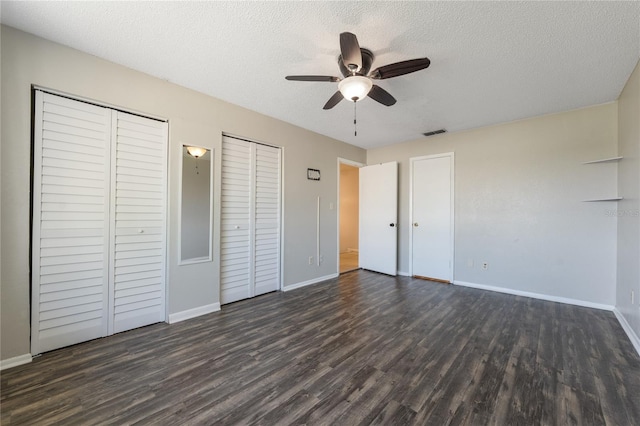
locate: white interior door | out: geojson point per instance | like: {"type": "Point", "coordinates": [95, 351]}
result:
{"type": "Point", "coordinates": [379, 218]}
{"type": "Point", "coordinates": [235, 221]}
{"type": "Point", "coordinates": [432, 217]}
{"type": "Point", "coordinates": [267, 220]}
{"type": "Point", "coordinates": [138, 212]}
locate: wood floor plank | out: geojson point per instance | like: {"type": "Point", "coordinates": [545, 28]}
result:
{"type": "Point", "coordinates": [364, 348]}
{"type": "Point", "coordinates": [392, 413]}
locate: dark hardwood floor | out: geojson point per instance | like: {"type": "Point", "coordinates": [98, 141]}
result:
{"type": "Point", "coordinates": [361, 349]}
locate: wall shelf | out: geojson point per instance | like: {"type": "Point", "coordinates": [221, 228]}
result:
{"type": "Point", "coordinates": [604, 160]}
{"type": "Point", "coordinates": [603, 199]}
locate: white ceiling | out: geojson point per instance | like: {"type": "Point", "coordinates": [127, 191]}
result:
{"type": "Point", "coordinates": [491, 62]}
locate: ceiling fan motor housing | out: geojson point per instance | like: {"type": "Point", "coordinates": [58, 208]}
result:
{"type": "Point", "coordinates": [367, 61]}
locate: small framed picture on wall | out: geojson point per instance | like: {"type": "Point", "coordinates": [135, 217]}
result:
{"type": "Point", "coordinates": [313, 174]}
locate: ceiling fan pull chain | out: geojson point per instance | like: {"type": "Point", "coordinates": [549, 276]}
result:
{"type": "Point", "coordinates": [355, 127]}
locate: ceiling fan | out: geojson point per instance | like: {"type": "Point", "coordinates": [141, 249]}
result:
{"type": "Point", "coordinates": [354, 63]}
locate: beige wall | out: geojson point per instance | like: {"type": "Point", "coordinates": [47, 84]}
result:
{"type": "Point", "coordinates": [349, 208]}
{"type": "Point", "coordinates": [518, 203]}
{"type": "Point", "coordinates": [628, 210]}
{"type": "Point", "coordinates": [193, 119]}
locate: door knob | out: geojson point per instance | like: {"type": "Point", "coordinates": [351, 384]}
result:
{"type": "Point", "coordinates": [392, 225]}
{"type": "Point", "coordinates": [415, 224]}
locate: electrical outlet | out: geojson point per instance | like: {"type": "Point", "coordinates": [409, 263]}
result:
{"type": "Point", "coordinates": [321, 258]}
{"type": "Point", "coordinates": [310, 260]}
{"type": "Point", "coordinates": [485, 265]}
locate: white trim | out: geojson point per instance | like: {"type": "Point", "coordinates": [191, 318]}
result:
{"type": "Point", "coordinates": [309, 282]}
{"type": "Point", "coordinates": [403, 273]}
{"type": "Point", "coordinates": [168, 229]}
{"type": "Point", "coordinates": [36, 195]}
{"type": "Point", "coordinates": [540, 296]}
{"type": "Point", "coordinates": [282, 192]}
{"type": "Point", "coordinates": [353, 164]}
{"type": "Point", "coordinates": [452, 257]}
{"type": "Point", "coordinates": [349, 163]}
{"type": "Point", "coordinates": [318, 232]}
{"type": "Point", "coordinates": [195, 261]}
{"type": "Point", "coordinates": [15, 361]}
{"type": "Point", "coordinates": [635, 341]}
{"type": "Point", "coordinates": [194, 312]}
{"type": "Point", "coordinates": [253, 166]}
{"type": "Point", "coordinates": [250, 140]}
{"type": "Point", "coordinates": [110, 199]}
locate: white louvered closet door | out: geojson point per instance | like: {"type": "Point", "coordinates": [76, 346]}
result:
{"type": "Point", "coordinates": [70, 222]}
{"type": "Point", "coordinates": [250, 222]}
{"type": "Point", "coordinates": [99, 208]}
{"type": "Point", "coordinates": [267, 219]}
{"type": "Point", "coordinates": [138, 212]}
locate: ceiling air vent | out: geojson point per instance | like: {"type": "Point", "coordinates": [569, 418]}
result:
{"type": "Point", "coordinates": [435, 132]}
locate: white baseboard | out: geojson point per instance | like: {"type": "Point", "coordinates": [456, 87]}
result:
{"type": "Point", "coordinates": [537, 296]}
{"type": "Point", "coordinates": [194, 312]}
{"type": "Point", "coordinates": [403, 273]}
{"type": "Point", "coordinates": [635, 341]}
{"type": "Point", "coordinates": [309, 282]}
{"type": "Point", "coordinates": [15, 361]}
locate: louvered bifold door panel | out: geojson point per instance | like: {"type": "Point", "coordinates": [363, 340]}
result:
{"type": "Point", "coordinates": [267, 220]}
{"type": "Point", "coordinates": [70, 222]}
{"type": "Point", "coordinates": [138, 214]}
{"type": "Point", "coordinates": [235, 221]}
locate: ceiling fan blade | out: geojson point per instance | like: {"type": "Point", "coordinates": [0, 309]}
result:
{"type": "Point", "coordinates": [378, 94]}
{"type": "Point", "coordinates": [312, 78]}
{"type": "Point", "coordinates": [350, 49]}
{"type": "Point", "coordinates": [334, 100]}
{"type": "Point", "coordinates": [400, 68]}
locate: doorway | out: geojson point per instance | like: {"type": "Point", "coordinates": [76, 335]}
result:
{"type": "Point", "coordinates": [348, 215]}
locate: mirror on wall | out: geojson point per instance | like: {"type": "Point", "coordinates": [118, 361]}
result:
{"type": "Point", "coordinates": [196, 219]}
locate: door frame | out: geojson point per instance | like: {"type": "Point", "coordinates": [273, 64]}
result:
{"type": "Point", "coordinates": [412, 161]}
{"type": "Point", "coordinates": [348, 163]}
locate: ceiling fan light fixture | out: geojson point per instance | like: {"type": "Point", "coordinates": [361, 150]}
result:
{"type": "Point", "coordinates": [355, 87]}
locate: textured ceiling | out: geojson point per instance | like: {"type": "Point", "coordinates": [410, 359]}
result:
{"type": "Point", "coordinates": [492, 62]}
